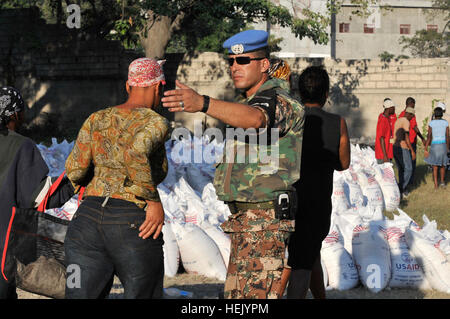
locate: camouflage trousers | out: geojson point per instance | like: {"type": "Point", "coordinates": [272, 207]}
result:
{"type": "Point", "coordinates": [257, 256]}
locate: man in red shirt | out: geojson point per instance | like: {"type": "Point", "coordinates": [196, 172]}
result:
{"type": "Point", "coordinates": [392, 119]}
{"type": "Point", "coordinates": [383, 145]}
{"type": "Point", "coordinates": [413, 133]}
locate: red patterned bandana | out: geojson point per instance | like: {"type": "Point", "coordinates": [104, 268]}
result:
{"type": "Point", "coordinates": [145, 72]}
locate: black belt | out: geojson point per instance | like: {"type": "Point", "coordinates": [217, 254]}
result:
{"type": "Point", "coordinates": [242, 206]}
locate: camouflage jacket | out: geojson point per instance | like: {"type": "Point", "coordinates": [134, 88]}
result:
{"type": "Point", "coordinates": [257, 172]}
{"type": "Point", "coordinates": [282, 84]}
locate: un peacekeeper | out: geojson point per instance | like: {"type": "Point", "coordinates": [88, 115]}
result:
{"type": "Point", "coordinates": [258, 192]}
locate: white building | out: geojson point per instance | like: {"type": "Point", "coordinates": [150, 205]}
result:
{"type": "Point", "coordinates": [354, 37]}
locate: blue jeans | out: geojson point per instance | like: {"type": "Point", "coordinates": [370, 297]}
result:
{"type": "Point", "coordinates": [413, 163]}
{"type": "Point", "coordinates": [403, 159]}
{"type": "Point", "coordinates": [101, 241]}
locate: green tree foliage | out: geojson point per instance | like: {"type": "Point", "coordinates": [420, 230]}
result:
{"type": "Point", "coordinates": [443, 7]}
{"type": "Point", "coordinates": [427, 44]}
{"type": "Point", "coordinates": [202, 25]}
{"type": "Point", "coordinates": [430, 43]}
{"type": "Point", "coordinates": [188, 25]}
{"type": "Point", "coordinates": [385, 56]}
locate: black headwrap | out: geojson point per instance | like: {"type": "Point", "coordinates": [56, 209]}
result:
{"type": "Point", "coordinates": [11, 102]}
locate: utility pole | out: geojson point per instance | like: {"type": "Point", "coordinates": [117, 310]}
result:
{"type": "Point", "coordinates": [333, 32]}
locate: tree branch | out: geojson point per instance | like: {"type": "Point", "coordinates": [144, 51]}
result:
{"type": "Point", "coordinates": [176, 24]}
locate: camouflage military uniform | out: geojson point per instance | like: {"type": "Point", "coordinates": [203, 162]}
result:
{"type": "Point", "coordinates": [258, 239]}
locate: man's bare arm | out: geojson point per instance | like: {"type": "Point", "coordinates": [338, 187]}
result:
{"type": "Point", "coordinates": [416, 129]}
{"type": "Point", "coordinates": [383, 148]}
{"type": "Point", "coordinates": [234, 114]}
{"type": "Point", "coordinates": [344, 146]}
{"type": "Point", "coordinates": [408, 143]}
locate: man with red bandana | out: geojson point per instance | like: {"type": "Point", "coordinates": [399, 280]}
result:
{"type": "Point", "coordinates": [119, 156]}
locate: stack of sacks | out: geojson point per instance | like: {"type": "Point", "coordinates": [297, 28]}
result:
{"type": "Point", "coordinates": [365, 183]}
{"type": "Point", "coordinates": [378, 246]}
{"type": "Point", "coordinates": [363, 246]}
{"type": "Point", "coordinates": [193, 210]}
{"type": "Point", "coordinates": [430, 248]}
{"type": "Point", "coordinates": [388, 253]}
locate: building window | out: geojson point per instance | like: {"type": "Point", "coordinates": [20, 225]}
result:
{"type": "Point", "coordinates": [432, 27]}
{"type": "Point", "coordinates": [344, 27]}
{"type": "Point", "coordinates": [369, 28]}
{"type": "Point", "coordinates": [405, 28]}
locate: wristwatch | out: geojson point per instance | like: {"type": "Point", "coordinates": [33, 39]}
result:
{"type": "Point", "coordinates": [205, 104]}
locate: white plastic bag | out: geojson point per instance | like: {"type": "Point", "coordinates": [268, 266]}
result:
{"type": "Point", "coordinates": [440, 239]}
{"type": "Point", "coordinates": [434, 263]}
{"type": "Point", "coordinates": [372, 257]}
{"type": "Point", "coordinates": [55, 156]}
{"type": "Point", "coordinates": [341, 270]}
{"type": "Point", "coordinates": [353, 190]}
{"type": "Point", "coordinates": [346, 222]}
{"type": "Point", "coordinates": [67, 211]}
{"type": "Point", "coordinates": [197, 178]}
{"type": "Point", "coordinates": [193, 208]}
{"type": "Point", "coordinates": [324, 272]}
{"type": "Point", "coordinates": [385, 177]}
{"type": "Point", "coordinates": [171, 252]}
{"type": "Point", "coordinates": [217, 210]}
{"type": "Point", "coordinates": [338, 198]}
{"type": "Point", "coordinates": [221, 239]}
{"type": "Point", "coordinates": [370, 188]}
{"type": "Point", "coordinates": [199, 253]}
{"type": "Point", "coordinates": [406, 271]}
{"type": "Point", "coordinates": [369, 214]}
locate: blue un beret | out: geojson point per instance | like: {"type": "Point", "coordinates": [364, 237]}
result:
{"type": "Point", "coordinates": [246, 41]}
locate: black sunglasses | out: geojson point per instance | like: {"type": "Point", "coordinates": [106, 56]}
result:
{"type": "Point", "coordinates": [242, 60]}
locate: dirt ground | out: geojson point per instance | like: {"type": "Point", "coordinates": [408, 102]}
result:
{"type": "Point", "coordinates": [208, 288]}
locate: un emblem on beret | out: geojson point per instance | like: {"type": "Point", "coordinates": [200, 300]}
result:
{"type": "Point", "coordinates": [237, 49]}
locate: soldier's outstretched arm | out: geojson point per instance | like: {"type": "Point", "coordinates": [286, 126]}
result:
{"type": "Point", "coordinates": [234, 114]}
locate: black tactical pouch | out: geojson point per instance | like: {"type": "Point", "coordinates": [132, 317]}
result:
{"type": "Point", "coordinates": [286, 206]}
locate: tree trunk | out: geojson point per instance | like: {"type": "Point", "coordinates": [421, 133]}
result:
{"type": "Point", "coordinates": [159, 32]}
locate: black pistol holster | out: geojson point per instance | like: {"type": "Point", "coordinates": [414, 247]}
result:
{"type": "Point", "coordinates": [286, 205]}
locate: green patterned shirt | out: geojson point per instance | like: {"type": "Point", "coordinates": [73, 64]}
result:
{"type": "Point", "coordinates": [125, 148]}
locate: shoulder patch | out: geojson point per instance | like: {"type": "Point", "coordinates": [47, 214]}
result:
{"type": "Point", "coordinates": [266, 100]}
